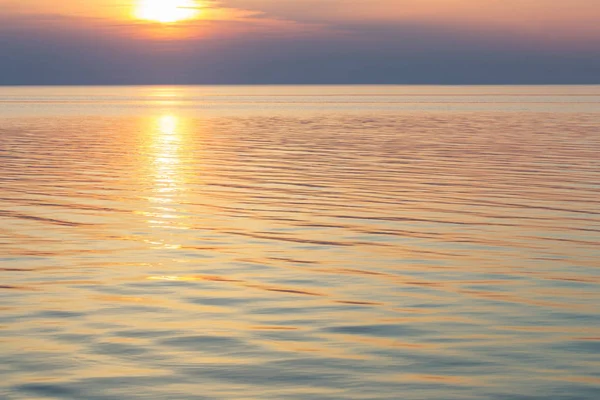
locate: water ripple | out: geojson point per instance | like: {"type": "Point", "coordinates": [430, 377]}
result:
{"type": "Point", "coordinates": [304, 254]}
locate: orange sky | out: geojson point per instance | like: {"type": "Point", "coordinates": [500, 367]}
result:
{"type": "Point", "coordinates": [549, 19]}
{"type": "Point", "coordinates": [276, 40]}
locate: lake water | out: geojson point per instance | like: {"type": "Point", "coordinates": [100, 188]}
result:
{"type": "Point", "coordinates": [300, 243]}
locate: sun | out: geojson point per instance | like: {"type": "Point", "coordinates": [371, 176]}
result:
{"type": "Point", "coordinates": [166, 11]}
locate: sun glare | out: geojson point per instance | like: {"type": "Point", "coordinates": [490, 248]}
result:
{"type": "Point", "coordinates": [166, 11]}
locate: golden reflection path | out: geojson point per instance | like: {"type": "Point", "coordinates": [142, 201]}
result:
{"type": "Point", "coordinates": [167, 150]}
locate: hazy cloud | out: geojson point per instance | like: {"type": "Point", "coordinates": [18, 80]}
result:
{"type": "Point", "coordinates": [262, 41]}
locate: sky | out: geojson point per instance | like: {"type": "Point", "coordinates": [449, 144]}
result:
{"type": "Point", "coordinates": [53, 42]}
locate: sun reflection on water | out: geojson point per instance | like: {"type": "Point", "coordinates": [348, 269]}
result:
{"type": "Point", "coordinates": [167, 138]}
{"type": "Point", "coordinates": [167, 158]}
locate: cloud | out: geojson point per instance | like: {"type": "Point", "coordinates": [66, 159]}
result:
{"type": "Point", "coordinates": [574, 22]}
{"type": "Point", "coordinates": [260, 46]}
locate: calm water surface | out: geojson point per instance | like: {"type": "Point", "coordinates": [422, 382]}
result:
{"type": "Point", "coordinates": [300, 243]}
